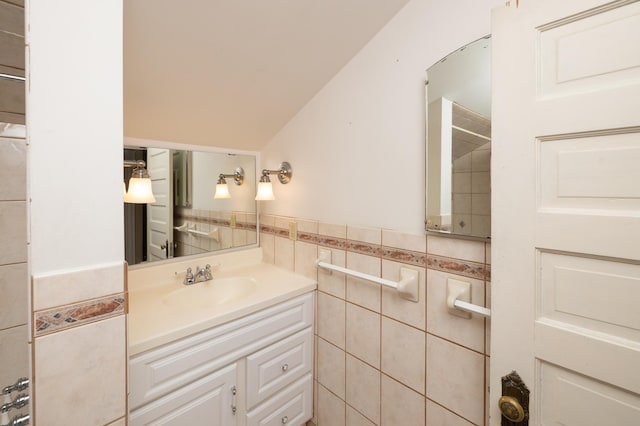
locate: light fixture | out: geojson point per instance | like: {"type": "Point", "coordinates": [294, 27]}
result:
{"type": "Point", "coordinates": [265, 189]}
{"type": "Point", "coordinates": [222, 189]}
{"type": "Point", "coordinates": [140, 191]}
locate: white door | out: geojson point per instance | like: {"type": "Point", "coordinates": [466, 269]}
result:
{"type": "Point", "coordinates": [566, 209]}
{"type": "Point", "coordinates": [160, 213]}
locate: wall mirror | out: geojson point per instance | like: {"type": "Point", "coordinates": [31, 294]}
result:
{"type": "Point", "coordinates": [186, 219]}
{"type": "Point", "coordinates": [458, 97]}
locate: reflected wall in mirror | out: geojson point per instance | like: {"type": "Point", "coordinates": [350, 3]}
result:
{"type": "Point", "coordinates": [459, 142]}
{"type": "Point", "coordinates": [186, 219]}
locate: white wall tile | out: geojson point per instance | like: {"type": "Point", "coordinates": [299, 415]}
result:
{"type": "Point", "coordinates": [456, 248]}
{"type": "Point", "coordinates": [284, 253]}
{"type": "Point", "coordinates": [331, 367]}
{"type": "Point", "coordinates": [466, 332]}
{"type": "Point", "coordinates": [363, 388]}
{"type": "Point", "coordinates": [13, 228]}
{"type": "Point", "coordinates": [14, 353]}
{"type": "Point", "coordinates": [413, 242]}
{"type": "Point", "coordinates": [437, 415]}
{"type": "Point", "coordinates": [267, 243]}
{"type": "Point", "coordinates": [65, 287]}
{"type": "Point", "coordinates": [331, 319]}
{"type": "Point", "coordinates": [403, 354]}
{"type": "Point", "coordinates": [363, 334]}
{"type": "Point", "coordinates": [332, 230]}
{"type": "Point", "coordinates": [362, 292]}
{"type": "Point", "coordinates": [305, 258]}
{"type": "Point", "coordinates": [333, 282]}
{"type": "Point", "coordinates": [354, 418]}
{"type": "Point", "coordinates": [364, 234]}
{"type": "Point", "coordinates": [455, 378]}
{"type": "Point", "coordinates": [396, 307]}
{"type": "Point", "coordinates": [14, 285]}
{"type": "Point", "coordinates": [331, 409]}
{"type": "Point", "coordinates": [79, 362]}
{"type": "Point", "coordinates": [13, 169]}
{"type": "Point", "coordinates": [401, 405]}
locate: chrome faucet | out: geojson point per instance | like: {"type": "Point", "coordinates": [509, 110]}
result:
{"type": "Point", "coordinates": [201, 275]}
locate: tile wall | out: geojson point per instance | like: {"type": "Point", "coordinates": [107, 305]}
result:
{"type": "Point", "coordinates": [14, 331]}
{"type": "Point", "coordinates": [471, 195]}
{"type": "Point", "coordinates": [79, 346]}
{"type": "Point", "coordinates": [380, 359]}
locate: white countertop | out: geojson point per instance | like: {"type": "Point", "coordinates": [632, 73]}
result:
{"type": "Point", "coordinates": [162, 309]}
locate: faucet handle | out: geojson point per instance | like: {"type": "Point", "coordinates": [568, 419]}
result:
{"type": "Point", "coordinates": [189, 279]}
{"type": "Point", "coordinates": [207, 272]}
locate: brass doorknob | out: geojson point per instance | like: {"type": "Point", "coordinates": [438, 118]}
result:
{"type": "Point", "coordinates": [510, 408]}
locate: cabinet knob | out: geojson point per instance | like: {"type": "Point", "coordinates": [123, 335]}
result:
{"type": "Point", "coordinates": [285, 419]}
{"type": "Point", "coordinates": [285, 367]}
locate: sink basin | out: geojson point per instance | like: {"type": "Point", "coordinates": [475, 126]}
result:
{"type": "Point", "coordinates": [211, 293]}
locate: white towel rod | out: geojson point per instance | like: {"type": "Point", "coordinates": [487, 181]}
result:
{"type": "Point", "coordinates": [357, 274]}
{"type": "Point", "coordinates": [470, 307]}
{"type": "Point", "coordinates": [407, 287]}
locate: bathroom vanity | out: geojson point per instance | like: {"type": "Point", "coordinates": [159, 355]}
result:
{"type": "Point", "coordinates": [236, 350]}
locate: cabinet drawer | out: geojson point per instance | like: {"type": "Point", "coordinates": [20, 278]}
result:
{"type": "Point", "coordinates": [278, 365]}
{"type": "Point", "coordinates": [159, 371]}
{"type": "Point", "coordinates": [293, 406]}
{"type": "Point", "coordinates": [205, 402]}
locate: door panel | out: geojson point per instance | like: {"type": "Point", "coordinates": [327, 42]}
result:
{"type": "Point", "coordinates": [160, 213]}
{"type": "Point", "coordinates": [566, 256]}
{"type": "Point", "coordinates": [588, 394]}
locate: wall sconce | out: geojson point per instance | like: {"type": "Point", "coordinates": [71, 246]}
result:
{"type": "Point", "coordinates": [265, 189]}
{"type": "Point", "coordinates": [222, 189]}
{"type": "Point", "coordinates": [140, 191]}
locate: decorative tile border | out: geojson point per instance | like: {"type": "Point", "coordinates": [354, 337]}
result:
{"type": "Point", "coordinates": [404, 256]}
{"type": "Point", "coordinates": [187, 215]}
{"type": "Point", "coordinates": [456, 266]}
{"type": "Point", "coordinates": [465, 268]}
{"type": "Point", "coordinates": [61, 318]}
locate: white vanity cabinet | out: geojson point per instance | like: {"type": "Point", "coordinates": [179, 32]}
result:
{"type": "Point", "coordinates": [255, 370]}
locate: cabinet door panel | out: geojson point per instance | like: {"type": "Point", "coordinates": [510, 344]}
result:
{"type": "Point", "coordinates": [206, 402]}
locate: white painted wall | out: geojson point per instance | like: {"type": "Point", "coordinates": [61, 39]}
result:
{"type": "Point", "coordinates": [357, 148]}
{"type": "Point", "coordinates": [74, 119]}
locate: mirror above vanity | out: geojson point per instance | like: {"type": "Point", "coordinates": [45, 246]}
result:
{"type": "Point", "coordinates": [459, 142]}
{"type": "Point", "coordinates": [186, 219]}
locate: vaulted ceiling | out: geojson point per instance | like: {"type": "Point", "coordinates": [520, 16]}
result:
{"type": "Point", "coordinates": [231, 73]}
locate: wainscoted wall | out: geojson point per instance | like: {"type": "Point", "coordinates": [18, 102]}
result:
{"type": "Point", "coordinates": [79, 346]}
{"type": "Point", "coordinates": [380, 359]}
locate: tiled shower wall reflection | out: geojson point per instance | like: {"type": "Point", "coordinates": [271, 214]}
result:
{"type": "Point", "coordinates": [380, 359]}
{"type": "Point", "coordinates": [215, 230]}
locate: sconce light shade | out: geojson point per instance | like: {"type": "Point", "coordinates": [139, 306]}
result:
{"type": "Point", "coordinates": [139, 191]}
{"type": "Point", "coordinates": [265, 191]}
{"type": "Point", "coordinates": [222, 191]}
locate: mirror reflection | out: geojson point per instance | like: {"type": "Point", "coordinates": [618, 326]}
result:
{"type": "Point", "coordinates": [185, 219]}
{"type": "Point", "coordinates": [459, 142]}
